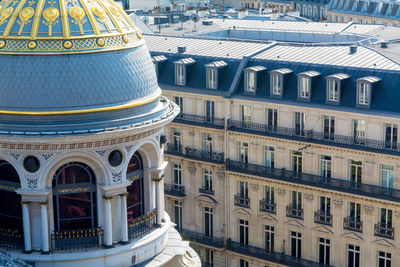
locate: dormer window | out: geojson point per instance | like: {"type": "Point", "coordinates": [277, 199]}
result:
{"type": "Point", "coordinates": [251, 75]}
{"type": "Point", "coordinates": [214, 71]}
{"type": "Point", "coordinates": [277, 78]}
{"type": "Point", "coordinates": [333, 87]}
{"type": "Point", "coordinates": [158, 62]}
{"type": "Point", "coordinates": [365, 86]}
{"type": "Point", "coordinates": [305, 80]}
{"type": "Point", "coordinates": [181, 70]}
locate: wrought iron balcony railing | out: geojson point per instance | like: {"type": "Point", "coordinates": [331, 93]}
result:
{"type": "Point", "coordinates": [317, 137]}
{"type": "Point", "coordinates": [384, 230]}
{"type": "Point", "coordinates": [142, 225]}
{"type": "Point", "coordinates": [353, 224]}
{"type": "Point", "coordinates": [174, 190]}
{"type": "Point", "coordinates": [242, 201]}
{"type": "Point", "coordinates": [205, 121]}
{"type": "Point", "coordinates": [294, 212]}
{"type": "Point", "coordinates": [201, 238]}
{"type": "Point", "coordinates": [267, 206]}
{"type": "Point", "coordinates": [174, 149]}
{"type": "Point", "coordinates": [322, 217]}
{"type": "Point", "coordinates": [314, 180]}
{"type": "Point", "coordinates": [11, 239]}
{"type": "Point", "coordinates": [206, 190]}
{"type": "Point", "coordinates": [80, 239]}
{"type": "Point", "coordinates": [204, 155]}
{"type": "Point", "coordinates": [276, 257]}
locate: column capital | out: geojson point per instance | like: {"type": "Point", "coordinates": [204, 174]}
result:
{"type": "Point", "coordinates": [25, 202]}
{"type": "Point", "coordinates": [107, 197]}
{"type": "Point", "coordinates": [158, 173]}
{"type": "Point", "coordinates": [43, 203]}
{"type": "Point", "coordinates": [124, 194]}
{"type": "Point", "coordinates": [158, 179]}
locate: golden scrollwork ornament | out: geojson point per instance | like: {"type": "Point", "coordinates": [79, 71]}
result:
{"type": "Point", "coordinates": [6, 14]}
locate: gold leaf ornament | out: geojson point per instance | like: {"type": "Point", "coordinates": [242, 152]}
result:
{"type": "Point", "coordinates": [2, 44]}
{"type": "Point", "coordinates": [25, 15]}
{"type": "Point", "coordinates": [99, 12]}
{"type": "Point", "coordinates": [77, 13]}
{"type": "Point", "coordinates": [6, 14]}
{"type": "Point", "coordinates": [50, 15]}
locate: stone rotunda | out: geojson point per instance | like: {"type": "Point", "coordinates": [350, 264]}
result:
{"type": "Point", "coordinates": [81, 139]}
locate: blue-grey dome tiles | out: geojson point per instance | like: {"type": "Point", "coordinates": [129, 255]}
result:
{"type": "Point", "coordinates": [79, 81]}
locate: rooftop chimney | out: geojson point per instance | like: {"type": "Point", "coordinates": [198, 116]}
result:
{"type": "Point", "coordinates": [384, 44]}
{"type": "Point", "coordinates": [181, 49]}
{"type": "Point", "coordinates": [353, 49]}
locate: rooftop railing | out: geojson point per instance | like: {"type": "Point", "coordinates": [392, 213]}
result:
{"type": "Point", "coordinates": [204, 155]}
{"type": "Point", "coordinates": [271, 256]}
{"type": "Point", "coordinates": [80, 239]}
{"type": "Point", "coordinates": [201, 238]}
{"type": "Point", "coordinates": [142, 225]}
{"type": "Point", "coordinates": [206, 121]}
{"type": "Point", "coordinates": [174, 190]}
{"type": "Point", "coordinates": [350, 142]}
{"type": "Point", "coordinates": [314, 180]}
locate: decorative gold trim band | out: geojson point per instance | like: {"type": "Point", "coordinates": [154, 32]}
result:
{"type": "Point", "coordinates": [89, 44]}
{"type": "Point", "coordinates": [131, 104]}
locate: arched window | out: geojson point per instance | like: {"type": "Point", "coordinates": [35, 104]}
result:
{"type": "Point", "coordinates": [134, 173]}
{"type": "Point", "coordinates": [10, 208]}
{"type": "Point", "coordinates": [74, 197]}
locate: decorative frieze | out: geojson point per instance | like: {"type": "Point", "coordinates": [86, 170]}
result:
{"type": "Point", "coordinates": [83, 145]}
{"type": "Point", "coordinates": [15, 155]}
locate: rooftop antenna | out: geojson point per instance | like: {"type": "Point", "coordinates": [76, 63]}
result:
{"type": "Point", "coordinates": [195, 19]}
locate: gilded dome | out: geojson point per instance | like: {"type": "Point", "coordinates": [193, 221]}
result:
{"type": "Point", "coordinates": [65, 26]}
{"type": "Point", "coordinates": [73, 66]}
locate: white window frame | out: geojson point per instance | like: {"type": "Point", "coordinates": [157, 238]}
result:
{"type": "Point", "coordinates": [251, 81]}
{"type": "Point", "coordinates": [356, 250]}
{"type": "Point", "coordinates": [210, 212]}
{"type": "Point", "coordinates": [387, 256]}
{"type": "Point", "coordinates": [276, 83]}
{"type": "Point", "coordinates": [180, 73]}
{"type": "Point", "coordinates": [177, 174]}
{"type": "Point", "coordinates": [333, 90]}
{"type": "Point", "coordinates": [269, 156]}
{"type": "Point", "coordinates": [269, 231]}
{"type": "Point", "coordinates": [207, 143]}
{"type": "Point", "coordinates": [212, 78]}
{"type": "Point", "coordinates": [304, 87]}
{"type": "Point", "coordinates": [243, 152]}
{"type": "Point", "coordinates": [387, 170]}
{"type": "Point", "coordinates": [326, 166]}
{"type": "Point", "coordinates": [178, 207]}
{"type": "Point", "coordinates": [364, 90]}
{"type": "Point", "coordinates": [207, 176]}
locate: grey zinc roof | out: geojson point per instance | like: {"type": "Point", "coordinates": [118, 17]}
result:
{"type": "Point", "coordinates": [282, 71]}
{"type": "Point", "coordinates": [339, 76]}
{"type": "Point", "coordinates": [185, 61]}
{"type": "Point", "coordinates": [310, 73]}
{"type": "Point", "coordinates": [202, 47]}
{"type": "Point", "coordinates": [256, 68]}
{"type": "Point", "coordinates": [329, 55]}
{"type": "Point", "coordinates": [217, 64]}
{"type": "Point", "coordinates": [370, 79]}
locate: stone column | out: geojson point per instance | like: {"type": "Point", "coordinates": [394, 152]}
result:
{"type": "Point", "coordinates": [45, 228]}
{"type": "Point", "coordinates": [108, 222]}
{"type": "Point", "coordinates": [26, 220]}
{"type": "Point", "coordinates": [158, 199]}
{"type": "Point", "coordinates": [124, 219]}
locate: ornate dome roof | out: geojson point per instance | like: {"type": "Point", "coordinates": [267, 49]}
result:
{"type": "Point", "coordinates": [65, 26]}
{"type": "Point", "coordinates": [73, 66]}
